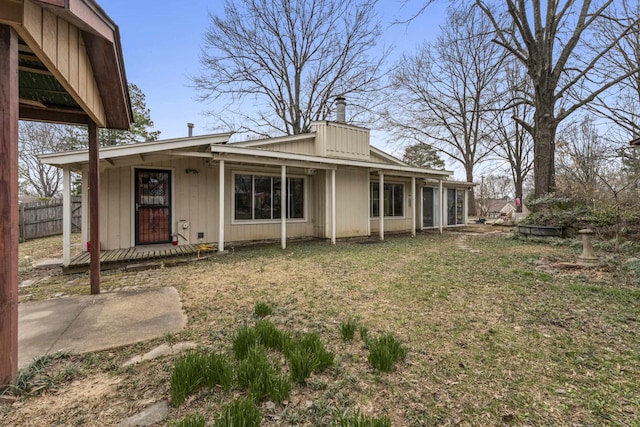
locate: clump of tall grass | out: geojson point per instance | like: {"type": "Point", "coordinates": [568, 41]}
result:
{"type": "Point", "coordinates": [196, 370]}
{"type": "Point", "coordinates": [262, 309]}
{"type": "Point", "coordinates": [239, 413]}
{"type": "Point", "coordinates": [348, 329]}
{"type": "Point", "coordinates": [359, 420]}
{"type": "Point", "coordinates": [384, 352]}
{"type": "Point", "coordinates": [194, 420]}
{"type": "Point", "coordinates": [307, 354]}
{"type": "Point", "coordinates": [260, 378]}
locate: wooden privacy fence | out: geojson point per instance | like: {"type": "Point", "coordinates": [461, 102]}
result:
{"type": "Point", "coordinates": [40, 219]}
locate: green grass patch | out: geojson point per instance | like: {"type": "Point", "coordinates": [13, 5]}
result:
{"type": "Point", "coordinates": [262, 309]}
{"type": "Point", "coordinates": [256, 374]}
{"type": "Point", "coordinates": [240, 413]}
{"type": "Point", "coordinates": [270, 336]}
{"type": "Point", "coordinates": [307, 354]}
{"type": "Point", "coordinates": [243, 340]}
{"type": "Point", "coordinates": [197, 370]}
{"type": "Point", "coordinates": [348, 329]}
{"type": "Point", "coordinates": [359, 420]}
{"type": "Point", "coordinates": [194, 420]}
{"type": "Point", "coordinates": [384, 352]}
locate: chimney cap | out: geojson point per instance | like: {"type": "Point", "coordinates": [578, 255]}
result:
{"type": "Point", "coordinates": [341, 115]}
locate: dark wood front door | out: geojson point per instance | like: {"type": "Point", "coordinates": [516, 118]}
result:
{"type": "Point", "coordinates": [153, 206]}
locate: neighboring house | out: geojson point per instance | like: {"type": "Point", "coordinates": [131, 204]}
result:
{"type": "Point", "coordinates": [635, 142]}
{"type": "Point", "coordinates": [204, 189]}
{"type": "Point", "coordinates": [500, 207]}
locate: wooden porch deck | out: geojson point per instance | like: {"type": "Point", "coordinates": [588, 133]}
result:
{"type": "Point", "coordinates": [119, 258]}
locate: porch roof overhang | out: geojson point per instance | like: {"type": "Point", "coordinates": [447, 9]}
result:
{"type": "Point", "coordinates": [71, 67]}
{"type": "Point", "coordinates": [636, 142]}
{"type": "Point", "coordinates": [190, 146]}
{"type": "Point", "coordinates": [252, 155]}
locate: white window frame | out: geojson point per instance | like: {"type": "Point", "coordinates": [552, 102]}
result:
{"type": "Point", "coordinates": [404, 204]}
{"type": "Point", "coordinates": [254, 174]}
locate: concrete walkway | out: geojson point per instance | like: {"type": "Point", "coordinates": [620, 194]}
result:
{"type": "Point", "coordinates": [96, 322]}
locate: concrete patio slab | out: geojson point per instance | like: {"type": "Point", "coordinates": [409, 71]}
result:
{"type": "Point", "coordinates": [97, 322]}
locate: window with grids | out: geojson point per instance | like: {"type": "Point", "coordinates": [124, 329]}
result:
{"type": "Point", "coordinates": [258, 197]}
{"type": "Point", "coordinates": [393, 199]}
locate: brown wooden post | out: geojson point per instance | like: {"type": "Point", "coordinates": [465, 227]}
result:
{"type": "Point", "coordinates": [8, 204]}
{"type": "Point", "coordinates": [94, 208]}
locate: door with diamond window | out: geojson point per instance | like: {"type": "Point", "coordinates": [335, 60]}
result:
{"type": "Point", "coordinates": [152, 206]}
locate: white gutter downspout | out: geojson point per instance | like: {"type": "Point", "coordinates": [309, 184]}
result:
{"type": "Point", "coordinates": [441, 195]}
{"type": "Point", "coordinates": [283, 206]}
{"type": "Point", "coordinates": [221, 208]}
{"type": "Point", "coordinates": [66, 216]}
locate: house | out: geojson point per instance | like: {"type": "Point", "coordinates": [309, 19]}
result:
{"type": "Point", "coordinates": [328, 184]}
{"type": "Point", "coordinates": [497, 208]}
{"type": "Point", "coordinates": [636, 142]}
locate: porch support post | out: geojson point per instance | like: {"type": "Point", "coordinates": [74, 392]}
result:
{"type": "Point", "coordinates": [221, 208]}
{"type": "Point", "coordinates": [8, 204]}
{"type": "Point", "coordinates": [66, 216]}
{"type": "Point", "coordinates": [94, 208]}
{"type": "Point", "coordinates": [442, 208]}
{"type": "Point", "coordinates": [369, 204]}
{"type": "Point", "coordinates": [414, 206]}
{"type": "Point", "coordinates": [283, 206]}
{"type": "Point", "coordinates": [333, 206]}
{"type": "Point", "coordinates": [84, 212]}
{"type": "Point", "coordinates": [381, 206]}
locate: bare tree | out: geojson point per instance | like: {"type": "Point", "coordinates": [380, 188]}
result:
{"type": "Point", "coordinates": [39, 138]}
{"type": "Point", "coordinates": [514, 144]}
{"type": "Point", "coordinates": [621, 104]}
{"type": "Point", "coordinates": [555, 42]}
{"type": "Point", "coordinates": [444, 94]}
{"type": "Point", "coordinates": [289, 60]}
{"type": "Point", "coordinates": [584, 158]}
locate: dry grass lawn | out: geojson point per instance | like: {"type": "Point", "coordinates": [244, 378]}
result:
{"type": "Point", "coordinates": [496, 336]}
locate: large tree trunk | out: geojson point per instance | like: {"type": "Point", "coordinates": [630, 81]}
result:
{"type": "Point", "coordinates": [471, 198]}
{"type": "Point", "coordinates": [544, 171]}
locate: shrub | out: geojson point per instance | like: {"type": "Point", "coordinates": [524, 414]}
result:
{"type": "Point", "coordinates": [270, 336]}
{"type": "Point", "coordinates": [239, 413]}
{"type": "Point", "coordinates": [385, 351]}
{"type": "Point", "coordinates": [262, 309]}
{"type": "Point", "coordinates": [306, 354]}
{"type": "Point", "coordinates": [197, 370]}
{"type": "Point", "coordinates": [348, 329]}
{"type": "Point", "coordinates": [195, 420]}
{"type": "Point", "coordinates": [243, 340]}
{"type": "Point", "coordinates": [256, 374]}
{"type": "Point", "coordinates": [359, 420]}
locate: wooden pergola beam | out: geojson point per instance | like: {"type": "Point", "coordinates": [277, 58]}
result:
{"type": "Point", "coordinates": [8, 204]}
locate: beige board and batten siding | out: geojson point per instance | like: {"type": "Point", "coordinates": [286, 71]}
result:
{"type": "Point", "coordinates": [61, 48]}
{"type": "Point", "coordinates": [351, 202]}
{"type": "Point", "coordinates": [340, 140]}
{"type": "Point", "coordinates": [296, 147]}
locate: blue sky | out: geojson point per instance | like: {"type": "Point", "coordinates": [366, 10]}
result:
{"type": "Point", "coordinates": [161, 41]}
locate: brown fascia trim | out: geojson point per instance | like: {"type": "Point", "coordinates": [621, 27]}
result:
{"type": "Point", "coordinates": [102, 37]}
